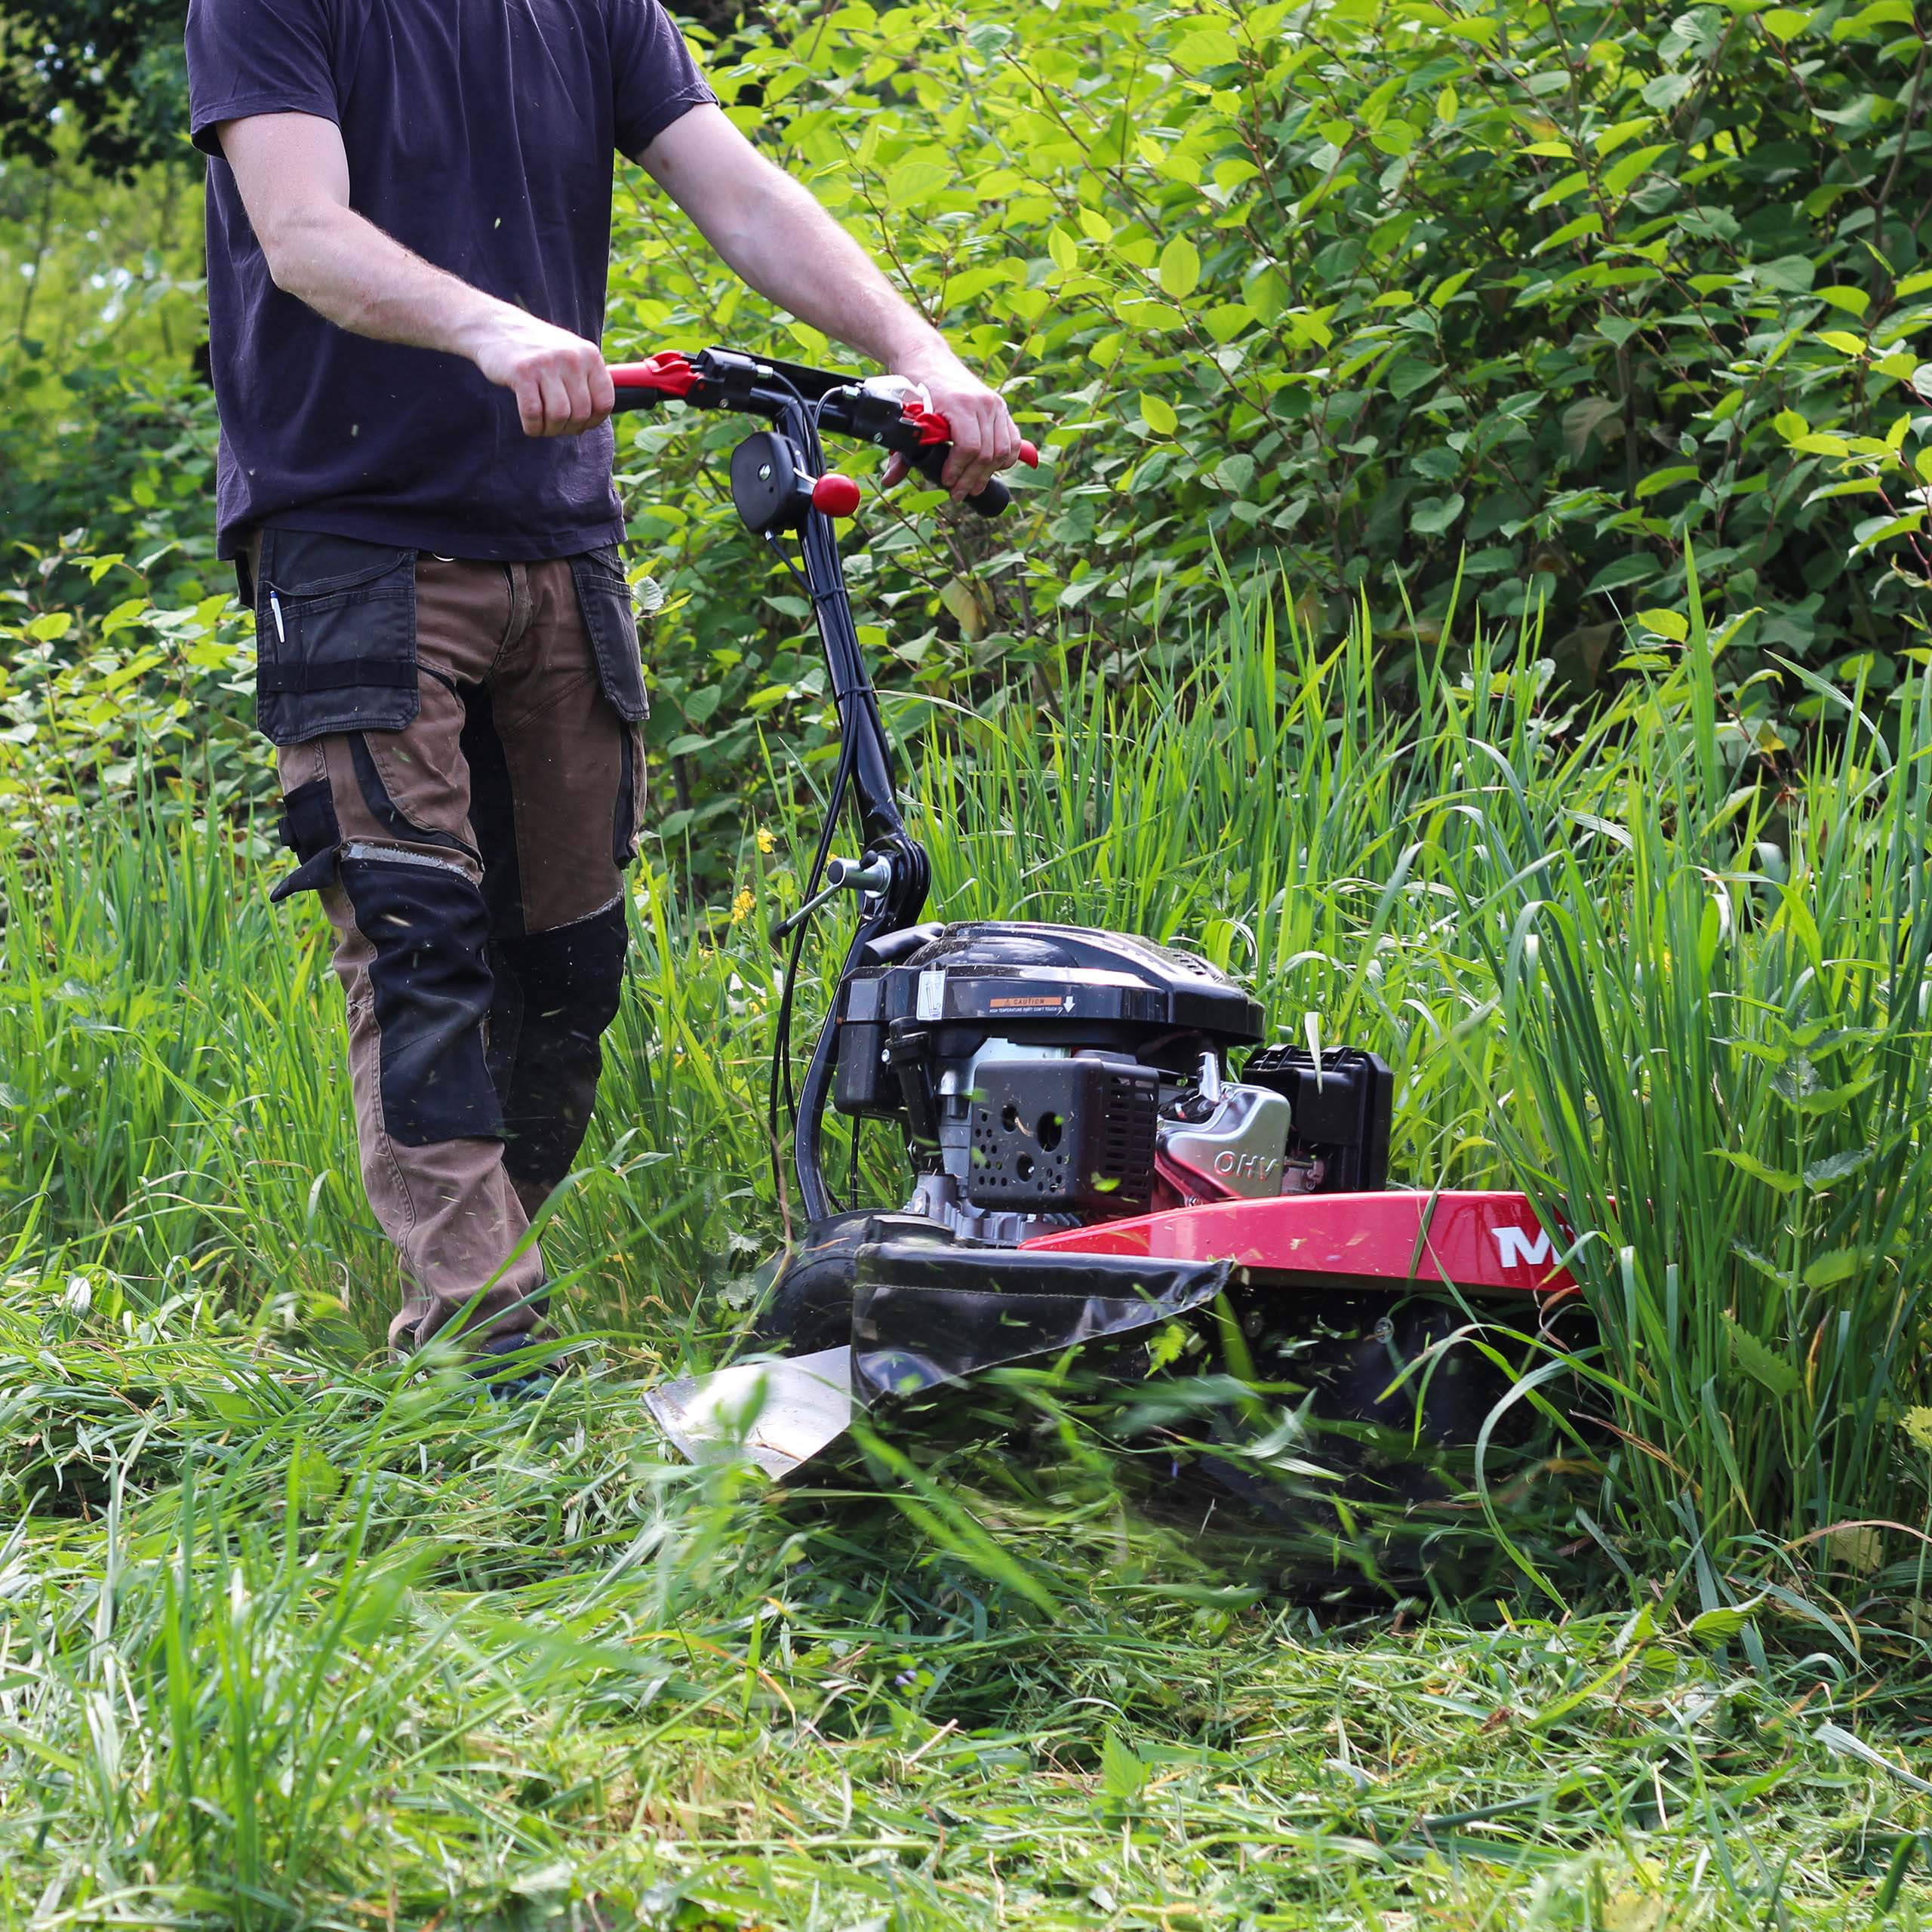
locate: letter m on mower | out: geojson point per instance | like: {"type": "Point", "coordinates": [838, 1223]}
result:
{"type": "Point", "coordinates": [1517, 1247]}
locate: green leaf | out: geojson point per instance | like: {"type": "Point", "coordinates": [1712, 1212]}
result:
{"type": "Point", "coordinates": [1718, 1625]}
{"type": "Point", "coordinates": [1768, 1370]}
{"type": "Point", "coordinates": [1235, 473]}
{"type": "Point", "coordinates": [1868, 534]}
{"type": "Point", "coordinates": [1774, 1178]}
{"type": "Point", "coordinates": [1622, 572]}
{"type": "Point", "coordinates": [1660, 480]}
{"type": "Point", "coordinates": [1180, 270]}
{"type": "Point", "coordinates": [130, 610]}
{"type": "Point", "coordinates": [1158, 415]}
{"type": "Point", "coordinates": [916, 180]}
{"type": "Point", "coordinates": [1612, 138]}
{"type": "Point", "coordinates": [1123, 1774]}
{"type": "Point", "coordinates": [1843, 341]}
{"type": "Point", "coordinates": [1590, 416]}
{"type": "Point", "coordinates": [1665, 623]}
{"type": "Point", "coordinates": [1783, 23]}
{"type": "Point", "coordinates": [1432, 516]}
{"type": "Point", "coordinates": [1205, 46]}
{"type": "Point", "coordinates": [1793, 274]}
{"type": "Point", "coordinates": [1226, 320]}
{"type": "Point", "coordinates": [1139, 313]}
{"type": "Point", "coordinates": [1617, 180]}
{"type": "Point", "coordinates": [1842, 295]}
{"type": "Point", "coordinates": [1064, 250]}
{"type": "Point", "coordinates": [53, 624]}
{"type": "Point", "coordinates": [1840, 1265]}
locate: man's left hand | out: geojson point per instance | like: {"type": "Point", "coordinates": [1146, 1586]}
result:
{"type": "Point", "coordinates": [984, 438]}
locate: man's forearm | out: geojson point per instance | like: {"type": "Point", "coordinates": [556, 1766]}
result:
{"type": "Point", "coordinates": [294, 178]}
{"type": "Point", "coordinates": [798, 256]}
{"type": "Point", "coordinates": [347, 269]}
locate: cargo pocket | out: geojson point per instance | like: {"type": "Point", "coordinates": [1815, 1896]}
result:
{"type": "Point", "coordinates": [335, 636]}
{"type": "Point", "coordinates": [603, 596]}
{"type": "Point", "coordinates": [311, 831]}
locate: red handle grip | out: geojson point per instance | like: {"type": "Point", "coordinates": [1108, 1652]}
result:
{"type": "Point", "coordinates": [668, 372]}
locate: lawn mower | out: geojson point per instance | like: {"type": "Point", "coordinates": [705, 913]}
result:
{"type": "Point", "coordinates": [1111, 1158]}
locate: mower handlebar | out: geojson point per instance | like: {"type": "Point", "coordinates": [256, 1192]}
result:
{"type": "Point", "coordinates": [725, 379]}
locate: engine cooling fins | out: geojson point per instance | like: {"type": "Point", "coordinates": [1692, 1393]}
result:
{"type": "Point", "coordinates": [925, 1315]}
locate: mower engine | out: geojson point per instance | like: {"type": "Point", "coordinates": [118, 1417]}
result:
{"type": "Point", "coordinates": [1053, 1076]}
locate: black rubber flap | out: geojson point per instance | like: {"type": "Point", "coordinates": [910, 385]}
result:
{"type": "Point", "coordinates": [924, 1314]}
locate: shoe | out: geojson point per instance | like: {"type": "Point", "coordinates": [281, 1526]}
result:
{"type": "Point", "coordinates": [493, 1363]}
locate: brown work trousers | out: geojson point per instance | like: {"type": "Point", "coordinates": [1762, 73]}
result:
{"type": "Point", "coordinates": [462, 762]}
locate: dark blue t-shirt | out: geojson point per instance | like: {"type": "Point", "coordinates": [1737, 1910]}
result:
{"type": "Point", "coordinates": [480, 133]}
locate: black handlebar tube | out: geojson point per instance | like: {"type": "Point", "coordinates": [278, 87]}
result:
{"type": "Point", "coordinates": [783, 393]}
{"type": "Point", "coordinates": [881, 829]}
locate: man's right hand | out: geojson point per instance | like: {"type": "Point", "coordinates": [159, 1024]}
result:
{"type": "Point", "coordinates": [561, 386]}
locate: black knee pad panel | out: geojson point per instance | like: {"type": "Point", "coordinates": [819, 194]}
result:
{"type": "Point", "coordinates": [431, 986]}
{"type": "Point", "coordinates": [567, 985]}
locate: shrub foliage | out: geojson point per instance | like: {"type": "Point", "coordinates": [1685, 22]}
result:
{"type": "Point", "coordinates": [1405, 294]}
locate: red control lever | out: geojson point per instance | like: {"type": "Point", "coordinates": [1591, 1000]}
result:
{"type": "Point", "coordinates": [933, 428]}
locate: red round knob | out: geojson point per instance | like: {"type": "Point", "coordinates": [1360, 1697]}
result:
{"type": "Point", "coordinates": [1029, 456]}
{"type": "Point", "coordinates": [834, 495]}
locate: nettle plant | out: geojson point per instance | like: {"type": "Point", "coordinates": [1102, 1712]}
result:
{"type": "Point", "coordinates": [1526, 298]}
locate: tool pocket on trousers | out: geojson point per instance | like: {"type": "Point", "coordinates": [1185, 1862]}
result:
{"type": "Point", "coordinates": [603, 596]}
{"type": "Point", "coordinates": [311, 831]}
{"type": "Point", "coordinates": [335, 636]}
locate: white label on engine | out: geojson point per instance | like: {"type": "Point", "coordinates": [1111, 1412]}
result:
{"type": "Point", "coordinates": [932, 993]}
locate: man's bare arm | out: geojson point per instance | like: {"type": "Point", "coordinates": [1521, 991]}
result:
{"type": "Point", "coordinates": [772, 231]}
{"type": "Point", "coordinates": [293, 177]}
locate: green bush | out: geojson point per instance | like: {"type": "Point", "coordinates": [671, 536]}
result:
{"type": "Point", "coordinates": [1416, 302]}
{"type": "Point", "coordinates": [124, 679]}
{"type": "Point", "coordinates": [1404, 294]}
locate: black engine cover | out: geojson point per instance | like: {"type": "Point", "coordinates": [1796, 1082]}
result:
{"type": "Point", "coordinates": [1051, 985]}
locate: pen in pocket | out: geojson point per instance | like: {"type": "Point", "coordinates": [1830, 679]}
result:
{"type": "Point", "coordinates": [275, 605]}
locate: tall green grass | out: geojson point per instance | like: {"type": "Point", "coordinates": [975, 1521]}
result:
{"type": "Point", "coordinates": [290, 1638]}
{"type": "Point", "coordinates": [1614, 959]}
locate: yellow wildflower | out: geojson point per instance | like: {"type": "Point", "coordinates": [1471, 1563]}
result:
{"type": "Point", "coordinates": [741, 906]}
{"type": "Point", "coordinates": [1918, 1426]}
{"type": "Point", "coordinates": [766, 843]}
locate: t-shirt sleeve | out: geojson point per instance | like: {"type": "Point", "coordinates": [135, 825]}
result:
{"type": "Point", "coordinates": [256, 57]}
{"type": "Point", "coordinates": [654, 79]}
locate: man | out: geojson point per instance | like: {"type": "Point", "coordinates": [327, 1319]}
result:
{"type": "Point", "coordinates": [409, 207]}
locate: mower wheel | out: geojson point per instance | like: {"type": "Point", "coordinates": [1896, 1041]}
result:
{"type": "Point", "coordinates": [810, 1306]}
